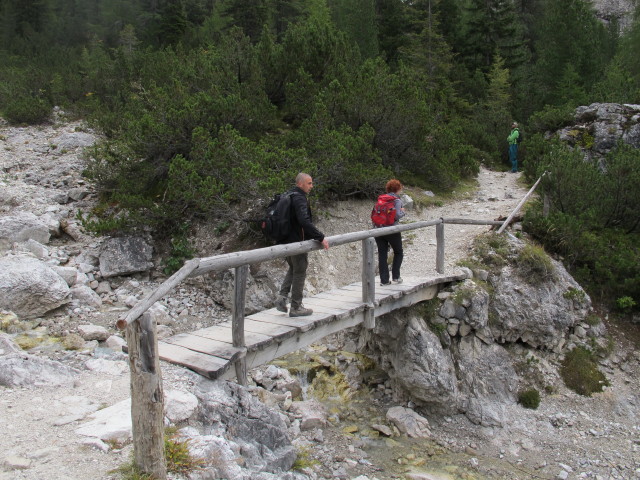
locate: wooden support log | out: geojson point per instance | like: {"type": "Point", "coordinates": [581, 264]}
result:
{"type": "Point", "coordinates": [440, 248]}
{"type": "Point", "coordinates": [368, 281]}
{"type": "Point", "coordinates": [237, 322]}
{"type": "Point", "coordinates": [524, 199]}
{"type": "Point", "coordinates": [147, 398]}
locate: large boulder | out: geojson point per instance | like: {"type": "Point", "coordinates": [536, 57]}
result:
{"type": "Point", "coordinates": [416, 360]}
{"type": "Point", "coordinates": [487, 380]}
{"type": "Point", "coordinates": [125, 255]}
{"type": "Point", "coordinates": [19, 369]}
{"type": "Point", "coordinates": [21, 227]}
{"type": "Point", "coordinates": [540, 315]}
{"type": "Point", "coordinates": [600, 126]}
{"type": "Point", "coordinates": [260, 289]}
{"type": "Point", "coordinates": [29, 287]}
{"type": "Point", "coordinates": [260, 432]}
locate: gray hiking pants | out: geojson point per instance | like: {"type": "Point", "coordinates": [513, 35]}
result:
{"type": "Point", "coordinates": [294, 279]}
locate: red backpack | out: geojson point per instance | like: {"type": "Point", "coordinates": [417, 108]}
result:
{"type": "Point", "coordinates": [384, 211]}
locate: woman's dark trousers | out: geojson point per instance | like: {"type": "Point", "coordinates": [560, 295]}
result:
{"type": "Point", "coordinates": [395, 241]}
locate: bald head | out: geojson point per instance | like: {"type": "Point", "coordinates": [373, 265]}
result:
{"type": "Point", "coordinates": [304, 182]}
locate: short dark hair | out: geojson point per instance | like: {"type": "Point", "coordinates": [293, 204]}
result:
{"type": "Point", "coordinates": [393, 186]}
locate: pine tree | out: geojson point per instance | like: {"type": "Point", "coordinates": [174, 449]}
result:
{"type": "Point", "coordinates": [357, 19]}
{"type": "Point", "coordinates": [249, 15]}
{"type": "Point", "coordinates": [568, 33]}
{"type": "Point", "coordinates": [173, 23]}
{"type": "Point", "coordinates": [492, 27]}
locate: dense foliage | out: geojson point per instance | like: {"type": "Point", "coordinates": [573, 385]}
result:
{"type": "Point", "coordinates": [593, 219]}
{"type": "Point", "coordinates": [210, 103]}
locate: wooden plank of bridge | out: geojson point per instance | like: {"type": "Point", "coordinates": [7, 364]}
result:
{"type": "Point", "coordinates": [271, 333]}
{"type": "Point", "coordinates": [206, 365]}
{"type": "Point", "coordinates": [193, 341]}
{"type": "Point", "coordinates": [280, 318]}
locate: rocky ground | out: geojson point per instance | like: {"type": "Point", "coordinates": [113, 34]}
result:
{"type": "Point", "coordinates": [569, 436]}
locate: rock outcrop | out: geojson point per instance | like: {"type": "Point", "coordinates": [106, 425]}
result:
{"type": "Point", "coordinates": [600, 126]}
{"type": "Point", "coordinates": [460, 358]}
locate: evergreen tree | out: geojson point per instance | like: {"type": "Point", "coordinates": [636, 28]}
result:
{"type": "Point", "coordinates": [249, 15]}
{"type": "Point", "coordinates": [173, 23]}
{"type": "Point", "coordinates": [492, 27]}
{"type": "Point", "coordinates": [357, 19]}
{"type": "Point", "coordinates": [426, 50]}
{"type": "Point", "coordinates": [568, 33]}
{"type": "Point", "coordinates": [392, 22]}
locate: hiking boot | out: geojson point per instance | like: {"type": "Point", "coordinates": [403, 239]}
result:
{"type": "Point", "coordinates": [382, 284]}
{"type": "Point", "coordinates": [281, 304]}
{"type": "Point", "coordinates": [397, 280]}
{"type": "Point", "coordinates": [300, 312]}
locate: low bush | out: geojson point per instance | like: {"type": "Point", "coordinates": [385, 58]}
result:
{"type": "Point", "coordinates": [580, 372]}
{"type": "Point", "coordinates": [27, 109]}
{"type": "Point", "coordinates": [529, 398]}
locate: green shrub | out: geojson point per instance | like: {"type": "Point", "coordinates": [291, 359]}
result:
{"type": "Point", "coordinates": [580, 372]}
{"type": "Point", "coordinates": [181, 250]}
{"type": "Point", "coordinates": [625, 304]}
{"type": "Point", "coordinates": [529, 398]}
{"type": "Point", "coordinates": [575, 294]}
{"type": "Point", "coordinates": [27, 109]}
{"type": "Point", "coordinates": [551, 119]}
{"type": "Point", "coordinates": [534, 264]}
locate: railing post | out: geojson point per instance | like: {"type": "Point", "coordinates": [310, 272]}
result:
{"type": "Point", "coordinates": [237, 323]}
{"type": "Point", "coordinates": [440, 247]}
{"type": "Point", "coordinates": [147, 398]}
{"type": "Point", "coordinates": [369, 281]}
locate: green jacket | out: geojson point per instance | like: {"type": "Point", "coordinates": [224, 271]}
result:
{"type": "Point", "coordinates": [513, 136]}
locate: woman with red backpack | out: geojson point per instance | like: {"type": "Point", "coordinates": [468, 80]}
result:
{"type": "Point", "coordinates": [388, 211]}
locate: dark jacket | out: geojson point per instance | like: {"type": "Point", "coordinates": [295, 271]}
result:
{"type": "Point", "coordinates": [302, 227]}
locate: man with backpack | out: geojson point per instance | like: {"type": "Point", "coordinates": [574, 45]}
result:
{"type": "Point", "coordinates": [388, 211]}
{"type": "Point", "coordinates": [302, 228]}
{"type": "Point", "coordinates": [514, 139]}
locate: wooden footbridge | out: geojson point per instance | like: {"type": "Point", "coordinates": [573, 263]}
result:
{"type": "Point", "coordinates": [261, 337]}
{"type": "Point", "coordinates": [271, 334]}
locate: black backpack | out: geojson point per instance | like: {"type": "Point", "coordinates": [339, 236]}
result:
{"type": "Point", "coordinates": [276, 224]}
{"type": "Point", "coordinates": [520, 136]}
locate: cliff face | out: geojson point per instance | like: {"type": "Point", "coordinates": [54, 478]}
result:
{"type": "Point", "coordinates": [609, 10]}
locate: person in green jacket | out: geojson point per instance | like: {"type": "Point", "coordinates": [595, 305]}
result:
{"type": "Point", "coordinates": [512, 139]}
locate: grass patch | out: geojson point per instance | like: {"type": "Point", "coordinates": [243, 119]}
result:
{"type": "Point", "coordinates": [177, 458]}
{"type": "Point", "coordinates": [580, 372]}
{"type": "Point", "coordinates": [491, 250]}
{"type": "Point", "coordinates": [534, 264]}
{"type": "Point", "coordinates": [304, 460]}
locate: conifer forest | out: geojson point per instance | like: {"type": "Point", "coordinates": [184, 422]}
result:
{"type": "Point", "coordinates": [206, 105]}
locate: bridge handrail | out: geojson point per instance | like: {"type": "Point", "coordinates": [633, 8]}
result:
{"type": "Point", "coordinates": [200, 266]}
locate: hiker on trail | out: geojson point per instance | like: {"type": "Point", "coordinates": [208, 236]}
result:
{"type": "Point", "coordinates": [302, 229]}
{"type": "Point", "coordinates": [512, 139]}
{"type": "Point", "coordinates": [393, 188]}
